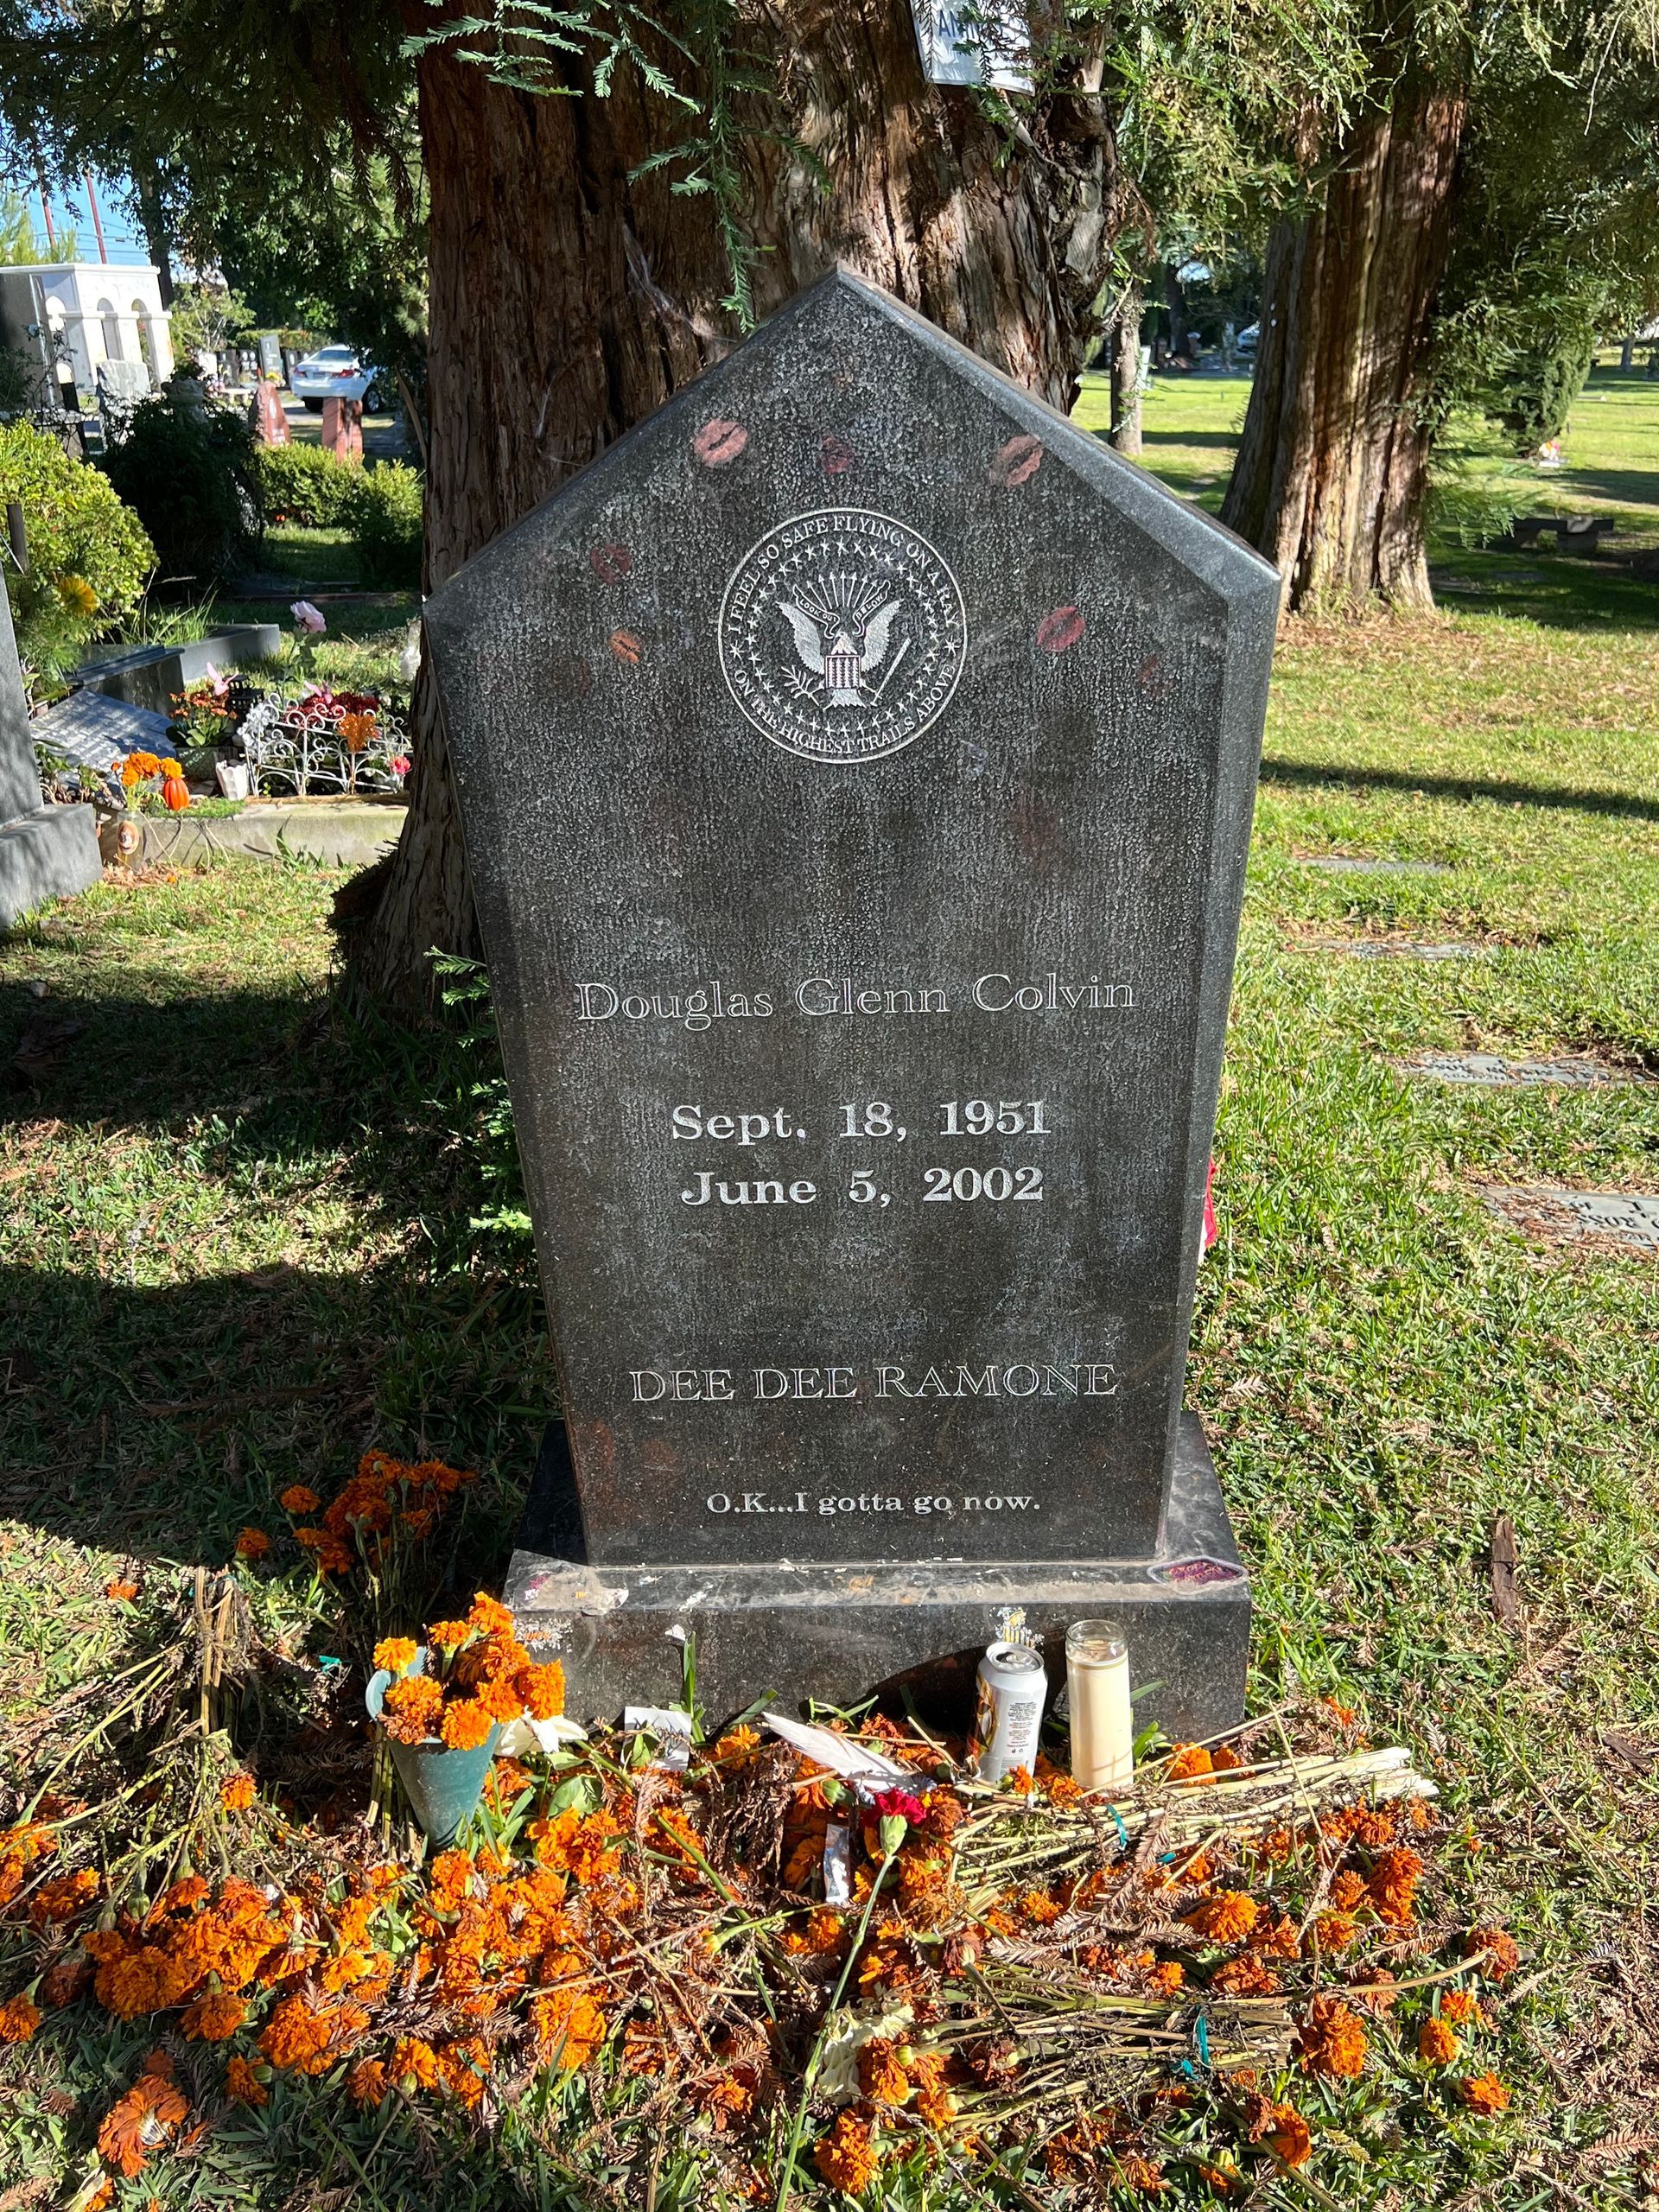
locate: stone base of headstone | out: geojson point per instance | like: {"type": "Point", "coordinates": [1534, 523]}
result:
{"type": "Point", "coordinates": [900, 1631]}
{"type": "Point", "coordinates": [51, 854]}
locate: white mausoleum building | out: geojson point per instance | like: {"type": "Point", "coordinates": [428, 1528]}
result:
{"type": "Point", "coordinates": [101, 315]}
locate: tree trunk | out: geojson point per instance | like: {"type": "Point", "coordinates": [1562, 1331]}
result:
{"type": "Point", "coordinates": [569, 298]}
{"type": "Point", "coordinates": [147, 192]}
{"type": "Point", "coordinates": [1333, 467]}
{"type": "Point", "coordinates": [1175, 302]}
{"type": "Point", "coordinates": [1126, 376]}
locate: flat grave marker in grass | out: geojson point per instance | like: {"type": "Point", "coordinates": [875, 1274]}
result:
{"type": "Point", "coordinates": [1341, 864]}
{"type": "Point", "coordinates": [1558, 1215]}
{"type": "Point", "coordinates": [1388, 948]}
{"type": "Point", "coordinates": [1495, 1070]}
{"type": "Point", "coordinates": [857, 765]}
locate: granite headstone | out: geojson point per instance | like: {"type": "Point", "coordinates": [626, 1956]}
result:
{"type": "Point", "coordinates": [856, 767]}
{"type": "Point", "coordinates": [45, 852]}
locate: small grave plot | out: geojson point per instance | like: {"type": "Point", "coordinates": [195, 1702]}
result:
{"type": "Point", "coordinates": [1495, 1070]}
{"type": "Point", "coordinates": [1347, 864]}
{"type": "Point", "coordinates": [1556, 1215]}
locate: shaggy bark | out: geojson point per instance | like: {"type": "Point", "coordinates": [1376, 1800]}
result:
{"type": "Point", "coordinates": [1126, 376]}
{"type": "Point", "coordinates": [569, 299]}
{"type": "Point", "coordinates": [1332, 471]}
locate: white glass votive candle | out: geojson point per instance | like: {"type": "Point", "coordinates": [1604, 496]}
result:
{"type": "Point", "coordinates": [1097, 1693]}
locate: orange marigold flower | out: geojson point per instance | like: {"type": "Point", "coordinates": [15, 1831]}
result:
{"type": "Point", "coordinates": [1483, 2093]}
{"type": "Point", "coordinates": [1167, 1977]}
{"type": "Point", "coordinates": [1279, 1941]}
{"type": "Point", "coordinates": [498, 1697]}
{"type": "Point", "coordinates": [1347, 1891]}
{"type": "Point", "coordinates": [541, 1688]}
{"type": "Point", "coordinates": [1223, 1758]}
{"type": "Point", "coordinates": [846, 2157]}
{"type": "Point", "coordinates": [243, 2085]}
{"type": "Point", "coordinates": [214, 2017]}
{"type": "Point", "coordinates": [394, 1653]}
{"type": "Point", "coordinates": [63, 1899]}
{"type": "Point", "coordinates": [569, 2025]}
{"type": "Point", "coordinates": [1337, 1931]}
{"type": "Point", "coordinates": [881, 2073]}
{"type": "Point", "coordinates": [464, 2066]}
{"type": "Point", "coordinates": [1186, 1761]}
{"type": "Point", "coordinates": [1437, 2042]}
{"type": "Point", "coordinates": [1332, 2041]}
{"type": "Point", "coordinates": [489, 1617]}
{"type": "Point", "coordinates": [236, 1793]}
{"type": "Point", "coordinates": [141, 1981]}
{"type": "Point", "coordinates": [121, 1592]}
{"type": "Point", "coordinates": [300, 2039]}
{"type": "Point", "coordinates": [1141, 2175]}
{"type": "Point", "coordinates": [252, 1543]}
{"type": "Point", "coordinates": [412, 2060]}
{"type": "Point", "coordinates": [1230, 1916]}
{"type": "Point", "coordinates": [450, 1878]}
{"type": "Point", "coordinates": [449, 1636]}
{"type": "Point", "coordinates": [412, 1707]}
{"type": "Point", "coordinates": [1288, 2137]}
{"type": "Point", "coordinates": [1462, 2008]}
{"type": "Point", "coordinates": [1394, 1884]}
{"type": "Point", "coordinates": [367, 2082]}
{"type": "Point", "coordinates": [825, 1930]}
{"type": "Point", "coordinates": [1502, 1952]}
{"type": "Point", "coordinates": [466, 1724]}
{"type": "Point", "coordinates": [1245, 1976]}
{"type": "Point", "coordinates": [299, 1499]}
{"type": "Point", "coordinates": [140, 2122]}
{"type": "Point", "coordinates": [180, 1896]}
{"type": "Point", "coordinates": [19, 2018]}
{"type": "Point", "coordinates": [1039, 1908]}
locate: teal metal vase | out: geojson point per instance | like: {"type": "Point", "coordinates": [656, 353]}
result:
{"type": "Point", "coordinates": [443, 1786]}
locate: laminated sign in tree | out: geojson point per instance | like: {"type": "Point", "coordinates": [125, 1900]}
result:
{"type": "Point", "coordinates": [857, 765]}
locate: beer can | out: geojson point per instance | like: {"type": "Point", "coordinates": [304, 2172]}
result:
{"type": "Point", "coordinates": [1013, 1684]}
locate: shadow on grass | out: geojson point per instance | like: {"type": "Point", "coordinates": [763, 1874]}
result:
{"type": "Point", "coordinates": [308, 1187]}
{"type": "Point", "coordinates": [1306, 774]}
{"type": "Point", "coordinates": [1222, 441]}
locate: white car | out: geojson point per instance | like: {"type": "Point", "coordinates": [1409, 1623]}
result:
{"type": "Point", "coordinates": [332, 372]}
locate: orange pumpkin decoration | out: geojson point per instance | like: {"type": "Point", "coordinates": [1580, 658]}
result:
{"type": "Point", "coordinates": [175, 794]}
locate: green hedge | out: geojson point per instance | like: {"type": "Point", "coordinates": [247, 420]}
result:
{"type": "Point", "coordinates": [386, 520]}
{"type": "Point", "coordinates": [191, 473]}
{"type": "Point", "coordinates": [307, 486]}
{"type": "Point", "coordinates": [88, 554]}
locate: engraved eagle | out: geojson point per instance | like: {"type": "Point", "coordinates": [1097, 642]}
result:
{"type": "Point", "coordinates": [841, 646]}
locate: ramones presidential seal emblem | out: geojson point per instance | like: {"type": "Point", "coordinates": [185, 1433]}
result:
{"type": "Point", "coordinates": [842, 635]}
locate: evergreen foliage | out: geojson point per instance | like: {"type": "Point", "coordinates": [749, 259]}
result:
{"type": "Point", "coordinates": [88, 554]}
{"type": "Point", "coordinates": [303, 484]}
{"type": "Point", "coordinates": [191, 475]}
{"type": "Point", "coordinates": [387, 514]}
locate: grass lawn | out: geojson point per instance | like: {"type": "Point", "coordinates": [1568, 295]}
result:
{"type": "Point", "coordinates": [237, 1248]}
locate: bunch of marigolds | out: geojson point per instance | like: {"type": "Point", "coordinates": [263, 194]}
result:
{"type": "Point", "coordinates": [1199, 1987]}
{"type": "Point", "coordinates": [472, 1677]}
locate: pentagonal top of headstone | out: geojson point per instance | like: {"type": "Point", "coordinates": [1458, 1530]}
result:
{"type": "Point", "coordinates": [858, 746]}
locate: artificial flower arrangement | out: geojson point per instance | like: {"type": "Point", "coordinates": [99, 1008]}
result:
{"type": "Point", "coordinates": [469, 1677]}
{"type": "Point", "coordinates": [151, 781]}
{"type": "Point", "coordinates": [200, 713]}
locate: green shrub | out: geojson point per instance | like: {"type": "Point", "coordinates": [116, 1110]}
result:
{"type": "Point", "coordinates": [88, 555]}
{"type": "Point", "coordinates": [386, 519]}
{"type": "Point", "coordinates": [190, 472]}
{"type": "Point", "coordinates": [307, 486]}
{"type": "Point", "coordinates": [1543, 382]}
